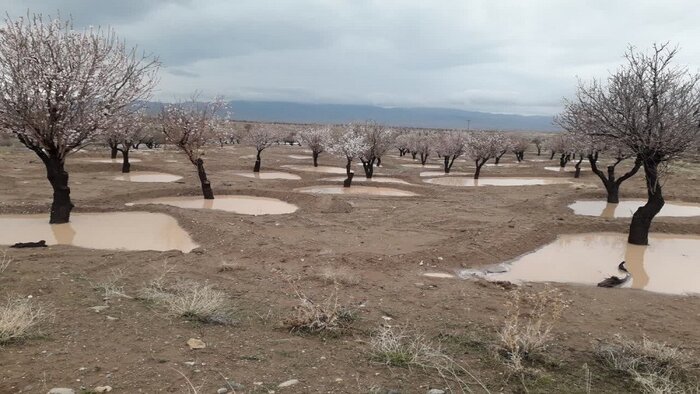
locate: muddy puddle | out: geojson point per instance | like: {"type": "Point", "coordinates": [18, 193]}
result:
{"type": "Point", "coordinates": [299, 157]}
{"type": "Point", "coordinates": [442, 173]}
{"type": "Point", "coordinates": [268, 175]}
{"type": "Point", "coordinates": [244, 205]}
{"type": "Point", "coordinates": [668, 265]}
{"type": "Point", "coordinates": [465, 181]}
{"type": "Point", "coordinates": [426, 166]}
{"type": "Point", "coordinates": [112, 161]}
{"type": "Point", "coordinates": [356, 190]}
{"type": "Point", "coordinates": [321, 169]}
{"type": "Point", "coordinates": [145, 176]}
{"type": "Point", "coordinates": [376, 179]}
{"type": "Point", "coordinates": [626, 208]}
{"type": "Point", "coordinates": [565, 169]}
{"type": "Point", "coordinates": [506, 165]}
{"type": "Point", "coordinates": [113, 230]}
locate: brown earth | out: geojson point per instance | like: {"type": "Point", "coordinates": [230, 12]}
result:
{"type": "Point", "coordinates": [387, 243]}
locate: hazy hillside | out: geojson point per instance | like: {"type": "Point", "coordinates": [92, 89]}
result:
{"type": "Point", "coordinates": [274, 111]}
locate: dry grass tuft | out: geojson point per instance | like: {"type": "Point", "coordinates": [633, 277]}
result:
{"type": "Point", "coordinates": [326, 317]}
{"type": "Point", "coordinates": [190, 300]}
{"type": "Point", "coordinates": [20, 318]}
{"type": "Point", "coordinates": [655, 367]}
{"type": "Point", "coordinates": [338, 275]}
{"type": "Point", "coordinates": [111, 288]}
{"type": "Point", "coordinates": [527, 330]}
{"type": "Point", "coordinates": [397, 347]}
{"type": "Point", "coordinates": [4, 262]}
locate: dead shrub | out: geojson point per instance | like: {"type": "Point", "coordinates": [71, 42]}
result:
{"type": "Point", "coordinates": [327, 317]}
{"type": "Point", "coordinates": [398, 347]}
{"type": "Point", "coordinates": [111, 287]}
{"type": "Point", "coordinates": [5, 262]}
{"type": "Point", "coordinates": [20, 318]}
{"type": "Point", "coordinates": [527, 330]}
{"type": "Point", "coordinates": [191, 300]}
{"type": "Point", "coordinates": [338, 275]}
{"type": "Point", "coordinates": [655, 367]}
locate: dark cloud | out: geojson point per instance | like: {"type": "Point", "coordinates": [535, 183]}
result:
{"type": "Point", "coordinates": [501, 56]}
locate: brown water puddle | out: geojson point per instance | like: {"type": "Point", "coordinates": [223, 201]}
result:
{"type": "Point", "coordinates": [356, 190]}
{"type": "Point", "coordinates": [464, 181]}
{"type": "Point", "coordinates": [668, 265]}
{"type": "Point", "coordinates": [114, 230]}
{"type": "Point", "coordinates": [268, 175]}
{"type": "Point", "coordinates": [112, 161]}
{"type": "Point", "coordinates": [426, 166]}
{"type": "Point", "coordinates": [442, 173]}
{"type": "Point", "coordinates": [506, 165]}
{"type": "Point", "coordinates": [626, 208]}
{"type": "Point", "coordinates": [310, 168]}
{"type": "Point", "coordinates": [299, 157]}
{"type": "Point", "coordinates": [244, 205]}
{"type": "Point", "coordinates": [565, 169]}
{"type": "Point", "coordinates": [145, 176]}
{"type": "Point", "coordinates": [376, 179]}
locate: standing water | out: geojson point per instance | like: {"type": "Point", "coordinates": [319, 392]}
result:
{"type": "Point", "coordinates": [625, 209]}
{"type": "Point", "coordinates": [245, 205]}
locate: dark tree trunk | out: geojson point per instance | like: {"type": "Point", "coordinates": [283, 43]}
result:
{"type": "Point", "coordinates": [423, 158]}
{"type": "Point", "coordinates": [552, 156]}
{"type": "Point", "coordinates": [479, 164]}
{"type": "Point", "coordinates": [206, 185]}
{"type": "Point", "coordinates": [258, 161]}
{"type": "Point", "coordinates": [563, 159]}
{"type": "Point", "coordinates": [577, 173]}
{"type": "Point", "coordinates": [539, 151]}
{"type": "Point", "coordinates": [126, 166]}
{"type": "Point", "coordinates": [641, 220]}
{"type": "Point", "coordinates": [612, 185]}
{"type": "Point", "coordinates": [368, 166]}
{"type": "Point", "coordinates": [114, 149]}
{"type": "Point", "coordinates": [413, 154]}
{"type": "Point", "coordinates": [379, 161]}
{"type": "Point", "coordinates": [58, 177]}
{"type": "Point", "coordinates": [315, 156]}
{"type": "Point", "coordinates": [348, 171]}
{"type": "Point", "coordinates": [447, 164]}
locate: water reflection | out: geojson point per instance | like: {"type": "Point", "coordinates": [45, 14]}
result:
{"type": "Point", "coordinates": [356, 190]}
{"type": "Point", "coordinates": [626, 208]}
{"type": "Point", "coordinates": [466, 181]}
{"type": "Point", "coordinates": [245, 205]}
{"type": "Point", "coordinates": [145, 176]}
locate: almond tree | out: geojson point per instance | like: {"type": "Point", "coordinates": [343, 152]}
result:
{"type": "Point", "coordinates": [378, 141]}
{"type": "Point", "coordinates": [189, 126]}
{"type": "Point", "coordinates": [652, 108]}
{"type": "Point", "coordinates": [125, 132]}
{"type": "Point", "coordinates": [317, 139]}
{"type": "Point", "coordinates": [261, 138]}
{"type": "Point", "coordinates": [350, 145]}
{"type": "Point", "coordinates": [519, 146]}
{"type": "Point", "coordinates": [503, 144]}
{"type": "Point", "coordinates": [610, 182]}
{"type": "Point", "coordinates": [481, 146]}
{"type": "Point", "coordinates": [62, 88]}
{"type": "Point", "coordinates": [402, 141]}
{"type": "Point", "coordinates": [420, 143]}
{"type": "Point", "coordinates": [450, 146]}
{"type": "Point", "coordinates": [538, 144]}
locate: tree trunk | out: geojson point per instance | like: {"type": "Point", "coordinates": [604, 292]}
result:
{"type": "Point", "coordinates": [613, 190]}
{"type": "Point", "coordinates": [563, 160]}
{"type": "Point", "coordinates": [577, 173]}
{"type": "Point", "coordinates": [447, 164]}
{"type": "Point", "coordinates": [552, 156]}
{"type": "Point", "coordinates": [126, 166]}
{"type": "Point", "coordinates": [114, 151]}
{"type": "Point", "coordinates": [498, 159]}
{"type": "Point", "coordinates": [379, 161]}
{"type": "Point", "coordinates": [258, 161]}
{"type": "Point", "coordinates": [368, 166]}
{"type": "Point", "coordinates": [423, 158]}
{"type": "Point", "coordinates": [478, 167]}
{"type": "Point", "coordinates": [413, 154]}
{"type": "Point", "coordinates": [349, 173]}
{"type": "Point", "coordinates": [206, 185]}
{"type": "Point", "coordinates": [539, 151]}
{"type": "Point", "coordinates": [612, 185]}
{"type": "Point", "coordinates": [58, 177]}
{"type": "Point", "coordinates": [641, 220]}
{"type": "Point", "coordinates": [315, 156]}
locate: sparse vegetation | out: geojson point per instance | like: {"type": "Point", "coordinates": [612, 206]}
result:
{"type": "Point", "coordinates": [527, 331]}
{"type": "Point", "coordinates": [655, 367]}
{"type": "Point", "coordinates": [325, 317]}
{"type": "Point", "coordinates": [191, 300]}
{"type": "Point", "coordinates": [21, 318]}
{"type": "Point", "coordinates": [5, 262]}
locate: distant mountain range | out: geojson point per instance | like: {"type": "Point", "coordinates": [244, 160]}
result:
{"type": "Point", "coordinates": [288, 112]}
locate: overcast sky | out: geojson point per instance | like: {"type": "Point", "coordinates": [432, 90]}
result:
{"type": "Point", "coordinates": [506, 56]}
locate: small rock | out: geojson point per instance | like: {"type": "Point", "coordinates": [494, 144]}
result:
{"type": "Point", "coordinates": [61, 390]}
{"type": "Point", "coordinates": [103, 389]}
{"type": "Point", "coordinates": [288, 383]}
{"type": "Point", "coordinates": [222, 390]}
{"type": "Point", "coordinates": [436, 391]}
{"type": "Point", "coordinates": [189, 363]}
{"type": "Point", "coordinates": [98, 308]}
{"type": "Point", "coordinates": [112, 318]}
{"type": "Point", "coordinates": [194, 343]}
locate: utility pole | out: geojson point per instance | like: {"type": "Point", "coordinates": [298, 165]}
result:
{"type": "Point", "coordinates": [468, 123]}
